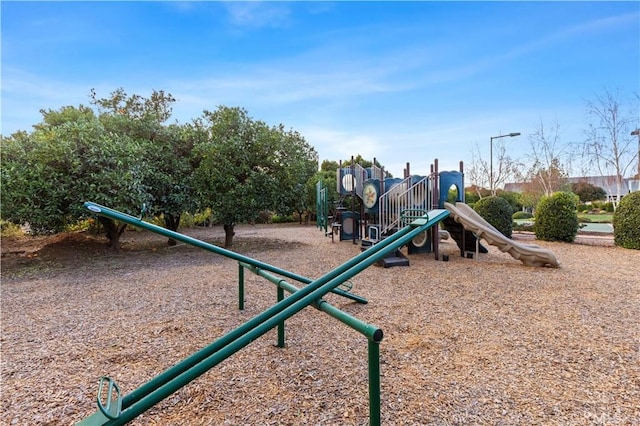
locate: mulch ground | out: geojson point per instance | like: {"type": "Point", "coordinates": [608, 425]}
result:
{"type": "Point", "coordinates": [468, 341]}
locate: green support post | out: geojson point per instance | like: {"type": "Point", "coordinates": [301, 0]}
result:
{"type": "Point", "coordinates": [281, 324]}
{"type": "Point", "coordinates": [240, 287]}
{"type": "Point", "coordinates": [374, 382]}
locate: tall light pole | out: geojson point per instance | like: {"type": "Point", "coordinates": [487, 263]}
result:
{"type": "Point", "coordinates": [509, 135]}
{"type": "Point", "coordinates": [636, 132]}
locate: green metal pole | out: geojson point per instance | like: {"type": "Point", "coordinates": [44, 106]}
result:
{"type": "Point", "coordinates": [240, 287]}
{"type": "Point", "coordinates": [281, 324]}
{"type": "Point", "coordinates": [137, 222]}
{"type": "Point", "coordinates": [149, 399]}
{"type": "Point", "coordinates": [374, 337]}
{"type": "Point", "coordinates": [320, 220]}
{"type": "Point", "coordinates": [374, 383]}
{"type": "Point", "coordinates": [325, 210]}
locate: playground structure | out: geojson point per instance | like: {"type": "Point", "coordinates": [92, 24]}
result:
{"type": "Point", "coordinates": [387, 206]}
{"type": "Point", "coordinates": [115, 409]}
{"type": "Point", "coordinates": [389, 203]}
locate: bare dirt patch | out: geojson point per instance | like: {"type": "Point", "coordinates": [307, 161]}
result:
{"type": "Point", "coordinates": [482, 341]}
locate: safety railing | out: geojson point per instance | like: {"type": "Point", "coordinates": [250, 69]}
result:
{"type": "Point", "coordinates": [410, 194]}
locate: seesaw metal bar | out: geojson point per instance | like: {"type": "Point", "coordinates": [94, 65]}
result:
{"type": "Point", "coordinates": [139, 223]}
{"type": "Point", "coordinates": [371, 332]}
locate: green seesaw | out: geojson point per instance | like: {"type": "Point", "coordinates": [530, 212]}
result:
{"type": "Point", "coordinates": [115, 409]}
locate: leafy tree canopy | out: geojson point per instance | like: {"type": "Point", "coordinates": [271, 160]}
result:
{"type": "Point", "coordinates": [588, 192]}
{"type": "Point", "coordinates": [245, 166]}
{"type": "Point", "coordinates": [47, 175]}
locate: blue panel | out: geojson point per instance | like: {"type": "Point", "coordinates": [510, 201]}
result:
{"type": "Point", "coordinates": [350, 225]}
{"type": "Point", "coordinates": [446, 180]}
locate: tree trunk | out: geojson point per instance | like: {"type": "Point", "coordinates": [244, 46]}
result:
{"type": "Point", "coordinates": [228, 234]}
{"type": "Point", "coordinates": [171, 222]}
{"type": "Point", "coordinates": [113, 231]}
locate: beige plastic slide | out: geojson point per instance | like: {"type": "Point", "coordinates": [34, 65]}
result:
{"type": "Point", "coordinates": [529, 254]}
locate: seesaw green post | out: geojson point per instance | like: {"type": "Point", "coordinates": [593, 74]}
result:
{"type": "Point", "coordinates": [240, 287]}
{"type": "Point", "coordinates": [373, 349]}
{"type": "Point", "coordinates": [281, 343]}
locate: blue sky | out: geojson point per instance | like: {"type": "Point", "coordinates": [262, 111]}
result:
{"type": "Point", "coordinates": [399, 81]}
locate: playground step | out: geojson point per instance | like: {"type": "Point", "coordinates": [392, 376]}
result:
{"type": "Point", "coordinates": [394, 259]}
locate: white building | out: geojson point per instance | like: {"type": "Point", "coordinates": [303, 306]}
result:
{"type": "Point", "coordinates": [608, 183]}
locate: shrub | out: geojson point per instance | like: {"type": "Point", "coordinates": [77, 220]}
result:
{"type": "Point", "coordinates": [8, 229]}
{"type": "Point", "coordinates": [556, 217]}
{"type": "Point", "coordinates": [264, 216]}
{"type": "Point", "coordinates": [608, 207]}
{"type": "Point", "coordinates": [471, 197]}
{"type": "Point", "coordinates": [203, 218]}
{"type": "Point", "coordinates": [626, 222]}
{"type": "Point", "coordinates": [588, 192]}
{"type": "Point", "coordinates": [513, 198]}
{"type": "Point", "coordinates": [522, 215]}
{"type": "Point", "coordinates": [528, 227]}
{"type": "Point", "coordinates": [282, 219]}
{"type": "Point", "coordinates": [497, 211]}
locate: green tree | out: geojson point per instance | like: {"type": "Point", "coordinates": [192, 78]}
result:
{"type": "Point", "coordinates": [166, 156]}
{"type": "Point", "coordinates": [35, 182]}
{"type": "Point", "coordinates": [295, 162]}
{"type": "Point", "coordinates": [169, 174]}
{"type": "Point", "coordinates": [239, 166]}
{"type": "Point", "coordinates": [588, 192]}
{"type": "Point", "coordinates": [69, 158]}
{"type": "Point", "coordinates": [329, 166]}
{"type": "Point", "coordinates": [157, 107]}
{"type": "Point", "coordinates": [530, 199]}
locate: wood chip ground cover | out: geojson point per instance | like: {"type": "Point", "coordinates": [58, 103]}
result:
{"type": "Point", "coordinates": [485, 341]}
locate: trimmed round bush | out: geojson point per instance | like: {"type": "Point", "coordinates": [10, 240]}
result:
{"type": "Point", "coordinates": [626, 222]}
{"type": "Point", "coordinates": [497, 211]}
{"type": "Point", "coordinates": [557, 218]}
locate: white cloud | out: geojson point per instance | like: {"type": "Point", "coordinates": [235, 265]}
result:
{"type": "Point", "coordinates": [25, 94]}
{"type": "Point", "coordinates": [257, 14]}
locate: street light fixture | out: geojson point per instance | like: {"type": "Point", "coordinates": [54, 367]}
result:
{"type": "Point", "coordinates": [508, 135]}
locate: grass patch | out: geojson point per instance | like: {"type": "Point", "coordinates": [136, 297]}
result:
{"type": "Point", "coordinates": [597, 218]}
